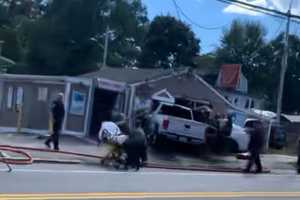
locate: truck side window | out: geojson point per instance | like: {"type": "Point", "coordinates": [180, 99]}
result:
{"type": "Point", "coordinates": [175, 112]}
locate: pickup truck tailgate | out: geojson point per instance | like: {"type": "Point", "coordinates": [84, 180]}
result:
{"type": "Point", "coordinates": [183, 127]}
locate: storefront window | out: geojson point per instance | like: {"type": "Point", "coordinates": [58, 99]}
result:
{"type": "Point", "coordinates": [78, 102]}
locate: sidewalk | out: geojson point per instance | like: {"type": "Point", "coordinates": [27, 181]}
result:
{"type": "Point", "coordinates": [171, 156]}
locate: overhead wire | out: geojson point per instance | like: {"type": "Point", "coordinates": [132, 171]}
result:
{"type": "Point", "coordinates": [250, 8]}
{"type": "Point", "coordinates": [269, 10]}
{"type": "Point", "coordinates": [262, 10]}
{"type": "Point", "coordinates": [177, 9]}
{"type": "Point", "coordinates": [190, 20]}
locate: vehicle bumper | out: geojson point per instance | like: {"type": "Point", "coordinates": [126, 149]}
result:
{"type": "Point", "coordinates": [182, 138]}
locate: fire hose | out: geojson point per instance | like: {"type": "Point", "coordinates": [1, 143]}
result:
{"type": "Point", "coordinates": [27, 159]}
{"type": "Point", "coordinates": [49, 151]}
{"type": "Point", "coordinates": [20, 161]}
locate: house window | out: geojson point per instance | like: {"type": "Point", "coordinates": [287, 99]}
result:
{"type": "Point", "coordinates": [236, 100]}
{"type": "Point", "coordinates": [252, 104]}
{"type": "Point", "coordinates": [247, 104]}
{"type": "Point", "coordinates": [42, 94]}
{"type": "Point", "coordinates": [10, 97]}
{"type": "Point", "coordinates": [228, 99]}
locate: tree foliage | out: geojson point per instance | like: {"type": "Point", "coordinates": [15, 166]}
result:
{"type": "Point", "coordinates": [169, 43]}
{"type": "Point", "coordinates": [128, 23]}
{"type": "Point", "coordinates": [60, 41]}
{"type": "Point", "coordinates": [291, 95]}
{"type": "Point", "coordinates": [244, 43]}
{"type": "Point", "coordinates": [67, 37]}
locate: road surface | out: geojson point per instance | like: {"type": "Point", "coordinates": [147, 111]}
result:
{"type": "Point", "coordinates": [49, 182]}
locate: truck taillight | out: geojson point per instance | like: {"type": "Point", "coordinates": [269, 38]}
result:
{"type": "Point", "coordinates": [165, 124]}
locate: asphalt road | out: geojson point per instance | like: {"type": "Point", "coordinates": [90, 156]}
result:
{"type": "Point", "coordinates": [91, 182]}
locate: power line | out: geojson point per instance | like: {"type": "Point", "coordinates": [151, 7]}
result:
{"type": "Point", "coordinates": [288, 14]}
{"type": "Point", "coordinates": [252, 9]}
{"type": "Point", "coordinates": [194, 22]}
{"type": "Point", "coordinates": [260, 9]}
{"type": "Point", "coordinates": [177, 9]}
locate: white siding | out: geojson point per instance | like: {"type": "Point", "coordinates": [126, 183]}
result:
{"type": "Point", "coordinates": [243, 84]}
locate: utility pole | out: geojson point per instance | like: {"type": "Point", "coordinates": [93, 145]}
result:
{"type": "Point", "coordinates": [105, 46]}
{"type": "Point", "coordinates": [107, 14]}
{"type": "Point", "coordinates": [284, 63]}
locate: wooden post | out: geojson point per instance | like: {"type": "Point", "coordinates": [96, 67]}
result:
{"type": "Point", "coordinates": [50, 125]}
{"type": "Point", "coordinates": [20, 116]}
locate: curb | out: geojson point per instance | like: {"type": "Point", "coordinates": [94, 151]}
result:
{"type": "Point", "coordinates": [199, 168]}
{"type": "Point", "coordinates": [155, 166]}
{"type": "Point", "coordinates": [56, 161]}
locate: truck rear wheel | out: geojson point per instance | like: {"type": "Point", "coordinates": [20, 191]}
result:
{"type": "Point", "coordinates": [232, 146]}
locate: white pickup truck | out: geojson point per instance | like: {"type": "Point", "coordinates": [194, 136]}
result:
{"type": "Point", "coordinates": [177, 123]}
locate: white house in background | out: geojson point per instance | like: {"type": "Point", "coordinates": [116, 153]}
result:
{"type": "Point", "coordinates": [233, 85]}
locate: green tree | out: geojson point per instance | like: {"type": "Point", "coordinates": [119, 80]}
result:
{"type": "Point", "coordinates": [169, 43]}
{"type": "Point", "coordinates": [128, 22]}
{"type": "Point", "coordinates": [291, 95]}
{"type": "Point", "coordinates": [4, 18]}
{"type": "Point", "coordinates": [206, 63]}
{"type": "Point", "coordinates": [16, 18]}
{"type": "Point", "coordinates": [69, 37]}
{"type": "Point", "coordinates": [61, 40]}
{"type": "Point", "coordinates": [11, 48]}
{"type": "Point", "coordinates": [244, 43]}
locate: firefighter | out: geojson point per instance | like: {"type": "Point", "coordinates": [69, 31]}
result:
{"type": "Point", "coordinates": [255, 147]}
{"type": "Point", "coordinates": [58, 114]}
{"type": "Point", "coordinates": [136, 148]}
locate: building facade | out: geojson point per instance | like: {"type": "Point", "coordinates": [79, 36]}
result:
{"type": "Point", "coordinates": [25, 103]}
{"type": "Point", "coordinates": [233, 85]}
{"type": "Point", "coordinates": [92, 98]}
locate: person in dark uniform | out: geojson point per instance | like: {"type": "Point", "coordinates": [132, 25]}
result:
{"type": "Point", "coordinates": [58, 114]}
{"type": "Point", "coordinates": [255, 147]}
{"type": "Point", "coordinates": [136, 148]}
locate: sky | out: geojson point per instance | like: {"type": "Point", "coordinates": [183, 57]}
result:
{"type": "Point", "coordinates": [218, 15]}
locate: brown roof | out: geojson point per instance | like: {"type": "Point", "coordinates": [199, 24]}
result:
{"type": "Point", "coordinates": [130, 75]}
{"type": "Point", "coordinates": [230, 76]}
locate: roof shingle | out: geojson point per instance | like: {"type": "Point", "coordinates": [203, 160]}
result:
{"type": "Point", "coordinates": [129, 75]}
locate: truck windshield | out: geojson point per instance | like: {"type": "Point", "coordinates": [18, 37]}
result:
{"type": "Point", "coordinates": [175, 111]}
